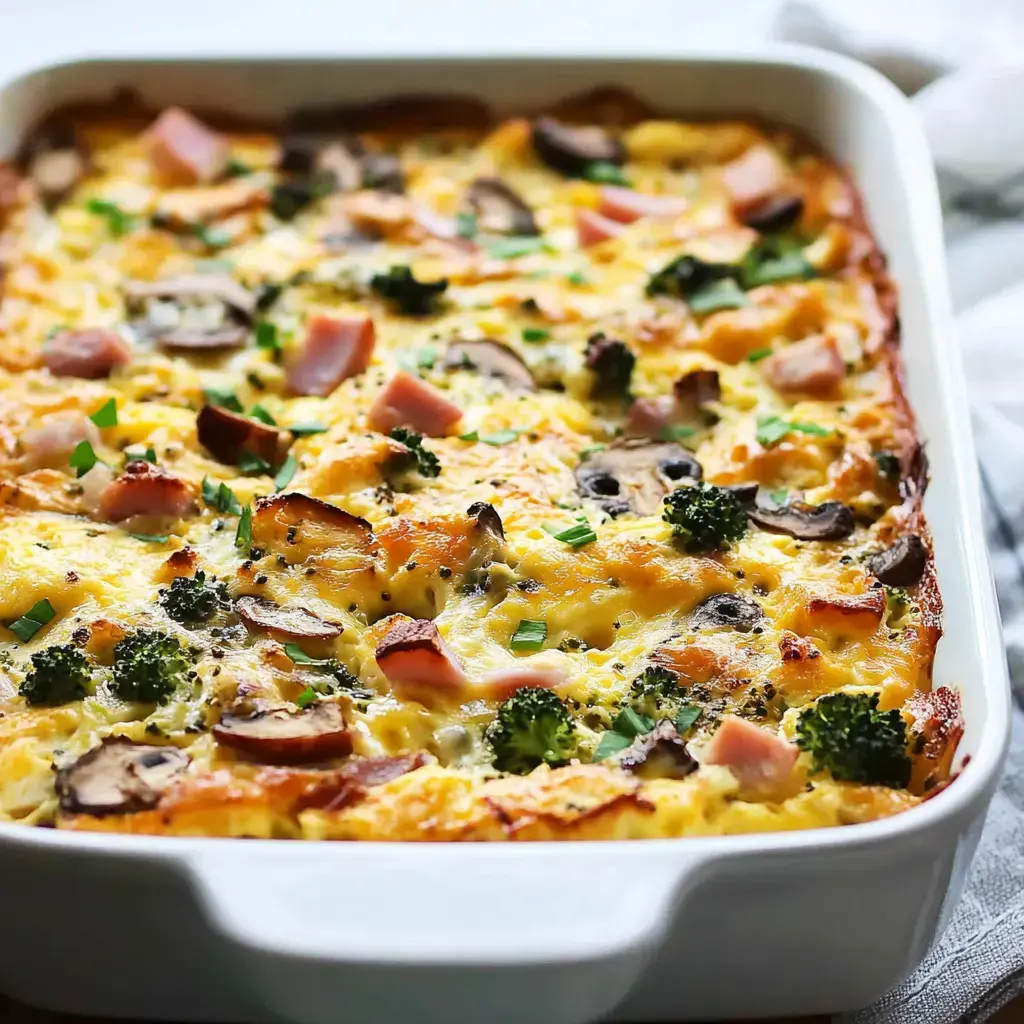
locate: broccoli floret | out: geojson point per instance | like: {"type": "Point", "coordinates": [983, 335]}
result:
{"type": "Point", "coordinates": [149, 666]}
{"type": "Point", "coordinates": [706, 517]}
{"type": "Point", "coordinates": [532, 727]}
{"type": "Point", "coordinates": [612, 363]}
{"type": "Point", "coordinates": [421, 459]}
{"type": "Point", "coordinates": [193, 601]}
{"type": "Point", "coordinates": [847, 736]}
{"type": "Point", "coordinates": [656, 693]}
{"type": "Point", "coordinates": [59, 675]}
{"type": "Point", "coordinates": [411, 297]}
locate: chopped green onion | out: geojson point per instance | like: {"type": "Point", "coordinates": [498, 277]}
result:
{"type": "Point", "coordinates": [535, 334]}
{"type": "Point", "coordinates": [267, 336]}
{"type": "Point", "coordinates": [307, 697]}
{"type": "Point", "coordinates": [773, 428]}
{"type": "Point", "coordinates": [83, 458]}
{"type": "Point", "coordinates": [575, 536]}
{"type": "Point", "coordinates": [252, 464]}
{"type": "Point", "coordinates": [106, 414]}
{"type": "Point", "coordinates": [530, 635]}
{"type": "Point", "coordinates": [305, 429]}
{"type": "Point", "coordinates": [284, 475]}
{"type": "Point", "coordinates": [32, 621]}
{"type": "Point", "coordinates": [243, 535]}
{"type": "Point", "coordinates": [512, 248]}
{"type": "Point", "coordinates": [465, 225]}
{"type": "Point", "coordinates": [220, 497]}
{"type": "Point", "coordinates": [610, 743]}
{"type": "Point", "coordinates": [152, 538]}
{"type": "Point", "coordinates": [257, 412]}
{"type": "Point", "coordinates": [300, 657]}
{"type": "Point", "coordinates": [724, 294]}
{"type": "Point", "coordinates": [118, 222]}
{"type": "Point", "coordinates": [603, 172]}
{"type": "Point", "coordinates": [223, 397]}
{"type": "Point", "coordinates": [688, 714]}
{"type": "Point", "coordinates": [758, 354]}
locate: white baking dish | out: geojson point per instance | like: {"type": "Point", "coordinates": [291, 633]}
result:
{"type": "Point", "coordinates": [790, 923]}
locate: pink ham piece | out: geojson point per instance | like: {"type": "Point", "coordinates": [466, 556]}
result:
{"type": "Point", "coordinates": [814, 365]}
{"type": "Point", "coordinates": [592, 228]}
{"type": "Point", "coordinates": [625, 206]}
{"type": "Point", "coordinates": [754, 177]}
{"type": "Point", "coordinates": [53, 441]}
{"type": "Point", "coordinates": [502, 684]}
{"type": "Point", "coordinates": [183, 151]}
{"type": "Point", "coordinates": [90, 354]}
{"type": "Point", "coordinates": [418, 663]}
{"type": "Point", "coordinates": [407, 401]}
{"type": "Point", "coordinates": [760, 760]}
{"type": "Point", "coordinates": [335, 348]}
{"type": "Point", "coordinates": [144, 490]}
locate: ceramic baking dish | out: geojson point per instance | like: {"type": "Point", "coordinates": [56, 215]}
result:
{"type": "Point", "coordinates": [788, 923]}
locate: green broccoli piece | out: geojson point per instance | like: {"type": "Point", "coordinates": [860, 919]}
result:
{"type": "Point", "coordinates": [532, 727]}
{"type": "Point", "coordinates": [411, 297]}
{"type": "Point", "coordinates": [656, 693]}
{"type": "Point", "coordinates": [59, 675]}
{"type": "Point", "coordinates": [848, 737]}
{"type": "Point", "coordinates": [612, 364]}
{"type": "Point", "coordinates": [193, 601]}
{"type": "Point", "coordinates": [420, 459]}
{"type": "Point", "coordinates": [149, 666]}
{"type": "Point", "coordinates": [706, 517]}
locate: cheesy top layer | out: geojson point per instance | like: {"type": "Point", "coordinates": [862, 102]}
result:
{"type": "Point", "coordinates": [708, 288]}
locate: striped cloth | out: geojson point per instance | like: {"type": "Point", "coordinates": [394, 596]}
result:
{"type": "Point", "coordinates": [968, 98]}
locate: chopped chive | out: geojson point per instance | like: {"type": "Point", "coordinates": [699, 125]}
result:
{"type": "Point", "coordinates": [575, 536]}
{"type": "Point", "coordinates": [32, 621]}
{"type": "Point", "coordinates": [603, 172]}
{"type": "Point", "coordinates": [305, 429]}
{"type": "Point", "coordinates": [152, 538]}
{"type": "Point", "coordinates": [220, 497]}
{"type": "Point", "coordinates": [535, 334]}
{"type": "Point", "coordinates": [284, 475]}
{"type": "Point", "coordinates": [257, 412]}
{"type": "Point", "coordinates": [223, 397]}
{"type": "Point", "coordinates": [300, 657]}
{"type": "Point", "coordinates": [106, 414]}
{"type": "Point", "coordinates": [267, 336]}
{"type": "Point", "coordinates": [83, 458]}
{"type": "Point", "coordinates": [512, 248]}
{"type": "Point", "coordinates": [118, 222]}
{"type": "Point", "coordinates": [307, 697]}
{"type": "Point", "coordinates": [610, 743]}
{"type": "Point", "coordinates": [243, 535]}
{"type": "Point", "coordinates": [252, 464]}
{"type": "Point", "coordinates": [758, 354]}
{"type": "Point", "coordinates": [530, 635]}
{"type": "Point", "coordinates": [465, 225]}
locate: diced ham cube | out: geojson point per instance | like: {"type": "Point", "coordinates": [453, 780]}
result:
{"type": "Point", "coordinates": [335, 348]}
{"type": "Point", "coordinates": [814, 365]}
{"type": "Point", "coordinates": [53, 441]}
{"type": "Point", "coordinates": [754, 177]}
{"type": "Point", "coordinates": [760, 760]}
{"type": "Point", "coordinates": [144, 490]}
{"type": "Point", "coordinates": [184, 151]}
{"type": "Point", "coordinates": [418, 663]}
{"type": "Point", "coordinates": [407, 401]}
{"type": "Point", "coordinates": [592, 228]}
{"type": "Point", "coordinates": [90, 354]}
{"type": "Point", "coordinates": [625, 205]}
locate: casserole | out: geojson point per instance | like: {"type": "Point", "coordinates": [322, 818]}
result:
{"type": "Point", "coordinates": [767, 903]}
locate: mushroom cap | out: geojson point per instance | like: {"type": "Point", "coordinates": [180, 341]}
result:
{"type": "Point", "coordinates": [570, 148]}
{"type": "Point", "coordinates": [293, 623]}
{"type": "Point", "coordinates": [732, 611]}
{"type": "Point", "coordinates": [831, 520]}
{"type": "Point", "coordinates": [118, 777]}
{"type": "Point", "coordinates": [283, 736]}
{"type": "Point", "coordinates": [635, 475]}
{"type": "Point", "coordinates": [490, 359]}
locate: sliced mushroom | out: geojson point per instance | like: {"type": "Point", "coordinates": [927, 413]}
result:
{"type": "Point", "coordinates": [570, 148]}
{"type": "Point", "coordinates": [288, 737]}
{"type": "Point", "coordinates": [729, 610]}
{"type": "Point", "coordinates": [55, 162]}
{"type": "Point", "coordinates": [498, 209]}
{"type": "Point", "coordinates": [832, 520]}
{"type": "Point", "coordinates": [774, 214]}
{"type": "Point", "coordinates": [635, 475]}
{"type": "Point", "coordinates": [490, 359]}
{"type": "Point", "coordinates": [193, 311]}
{"type": "Point", "coordinates": [659, 754]}
{"type": "Point", "coordinates": [696, 389]}
{"type": "Point", "coordinates": [487, 519]}
{"type": "Point", "coordinates": [118, 777]}
{"type": "Point", "coordinates": [901, 565]}
{"type": "Point", "coordinates": [228, 435]}
{"type": "Point", "coordinates": [293, 623]}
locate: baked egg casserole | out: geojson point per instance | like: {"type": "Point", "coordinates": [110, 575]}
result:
{"type": "Point", "coordinates": [408, 474]}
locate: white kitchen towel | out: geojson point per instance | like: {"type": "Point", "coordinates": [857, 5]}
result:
{"type": "Point", "coordinates": [960, 68]}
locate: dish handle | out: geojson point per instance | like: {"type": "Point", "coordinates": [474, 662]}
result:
{"type": "Point", "coordinates": [376, 932]}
